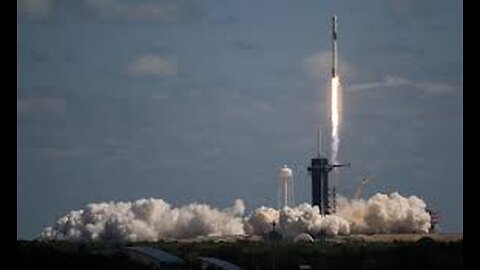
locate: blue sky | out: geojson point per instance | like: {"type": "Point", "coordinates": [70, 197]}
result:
{"type": "Point", "coordinates": [204, 100]}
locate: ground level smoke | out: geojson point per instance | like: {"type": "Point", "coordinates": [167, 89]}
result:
{"type": "Point", "coordinates": [154, 219]}
{"type": "Point", "coordinates": [146, 220]}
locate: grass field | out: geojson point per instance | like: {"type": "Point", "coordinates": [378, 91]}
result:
{"type": "Point", "coordinates": [441, 252]}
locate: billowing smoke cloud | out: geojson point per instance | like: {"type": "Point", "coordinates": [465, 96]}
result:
{"type": "Point", "coordinates": [154, 219]}
{"type": "Point", "coordinates": [380, 214]}
{"type": "Point", "coordinates": [146, 220]}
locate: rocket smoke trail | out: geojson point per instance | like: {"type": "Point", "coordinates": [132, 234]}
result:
{"type": "Point", "coordinates": [335, 120]}
{"type": "Point", "coordinates": [335, 83]}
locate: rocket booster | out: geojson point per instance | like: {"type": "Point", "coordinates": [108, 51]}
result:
{"type": "Point", "coordinates": [334, 46]}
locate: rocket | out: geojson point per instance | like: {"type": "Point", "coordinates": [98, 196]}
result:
{"type": "Point", "coordinates": [334, 46]}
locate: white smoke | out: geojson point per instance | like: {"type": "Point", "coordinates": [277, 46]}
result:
{"type": "Point", "coordinates": [292, 221]}
{"type": "Point", "coordinates": [380, 214]}
{"type": "Point", "coordinates": [261, 221]}
{"type": "Point", "coordinates": [146, 220]}
{"type": "Point", "coordinates": [154, 219]}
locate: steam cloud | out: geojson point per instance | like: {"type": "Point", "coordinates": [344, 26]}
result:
{"type": "Point", "coordinates": [146, 220]}
{"type": "Point", "coordinates": [154, 219]}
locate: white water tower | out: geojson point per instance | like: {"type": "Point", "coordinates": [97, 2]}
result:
{"type": "Point", "coordinates": [285, 187]}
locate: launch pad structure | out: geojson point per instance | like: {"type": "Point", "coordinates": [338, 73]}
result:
{"type": "Point", "coordinates": [319, 170]}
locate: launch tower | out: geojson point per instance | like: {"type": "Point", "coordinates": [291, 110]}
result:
{"type": "Point", "coordinates": [319, 170]}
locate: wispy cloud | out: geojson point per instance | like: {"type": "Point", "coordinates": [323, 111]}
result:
{"type": "Point", "coordinates": [35, 9]}
{"type": "Point", "coordinates": [390, 81]}
{"type": "Point", "coordinates": [164, 11]}
{"type": "Point", "coordinates": [152, 65]}
{"type": "Point", "coordinates": [41, 104]}
{"type": "Point", "coordinates": [318, 65]}
{"type": "Point", "coordinates": [434, 87]}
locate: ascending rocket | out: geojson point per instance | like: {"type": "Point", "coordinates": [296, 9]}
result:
{"type": "Point", "coordinates": [334, 46]}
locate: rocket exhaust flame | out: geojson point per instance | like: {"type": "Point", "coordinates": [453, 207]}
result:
{"type": "Point", "coordinates": [335, 118]}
